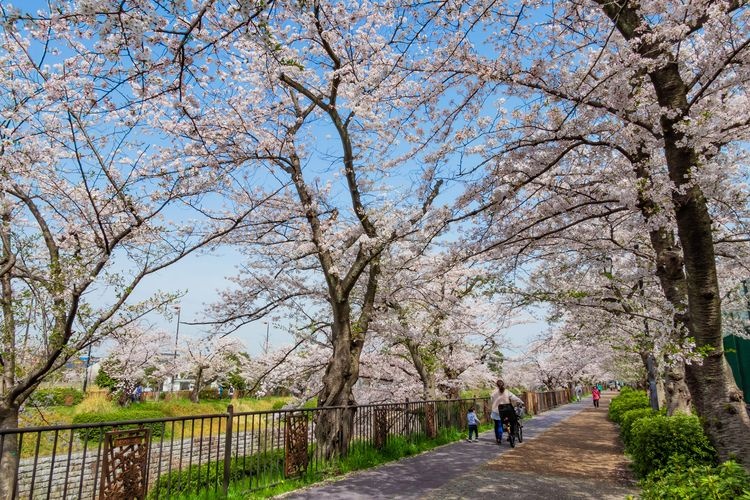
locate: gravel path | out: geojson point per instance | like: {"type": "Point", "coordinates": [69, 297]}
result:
{"type": "Point", "coordinates": [571, 452]}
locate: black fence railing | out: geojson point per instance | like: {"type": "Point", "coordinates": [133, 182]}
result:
{"type": "Point", "coordinates": [183, 457]}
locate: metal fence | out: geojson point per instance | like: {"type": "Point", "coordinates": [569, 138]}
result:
{"type": "Point", "coordinates": [202, 455]}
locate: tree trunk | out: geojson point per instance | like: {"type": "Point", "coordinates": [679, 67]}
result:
{"type": "Point", "coordinates": [195, 393]}
{"type": "Point", "coordinates": [714, 392]}
{"type": "Point", "coordinates": [333, 428]}
{"type": "Point", "coordinates": [677, 392]}
{"type": "Point", "coordinates": [649, 361]}
{"type": "Point", "coordinates": [9, 453]}
{"type": "Point", "coordinates": [672, 280]}
{"type": "Point", "coordinates": [452, 391]}
{"type": "Point", "coordinates": [426, 375]}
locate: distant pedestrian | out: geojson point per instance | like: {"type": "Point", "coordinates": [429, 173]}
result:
{"type": "Point", "coordinates": [596, 395]}
{"type": "Point", "coordinates": [579, 392]}
{"type": "Point", "coordinates": [231, 392]}
{"type": "Point", "coordinates": [473, 422]}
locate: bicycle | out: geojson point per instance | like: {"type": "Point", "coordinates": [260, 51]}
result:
{"type": "Point", "coordinates": [518, 431]}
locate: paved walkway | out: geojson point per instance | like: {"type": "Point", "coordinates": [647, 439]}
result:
{"type": "Point", "coordinates": [571, 452]}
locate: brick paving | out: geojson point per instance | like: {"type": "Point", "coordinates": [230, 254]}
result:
{"type": "Point", "coordinates": [571, 452]}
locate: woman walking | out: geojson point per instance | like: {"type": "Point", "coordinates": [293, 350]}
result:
{"type": "Point", "coordinates": [596, 394]}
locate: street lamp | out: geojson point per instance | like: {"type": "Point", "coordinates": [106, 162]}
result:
{"type": "Point", "coordinates": [176, 336]}
{"type": "Point", "coordinates": [86, 370]}
{"type": "Point", "coordinates": [265, 345]}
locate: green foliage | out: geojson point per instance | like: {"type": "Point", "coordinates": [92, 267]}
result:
{"type": "Point", "coordinates": [212, 394]}
{"type": "Point", "coordinates": [209, 476]}
{"type": "Point", "coordinates": [629, 418]}
{"type": "Point", "coordinates": [104, 381]}
{"type": "Point", "coordinates": [657, 440]}
{"type": "Point", "coordinates": [57, 396]}
{"type": "Point", "coordinates": [495, 361]}
{"type": "Point", "coordinates": [278, 405]}
{"type": "Point", "coordinates": [96, 433]}
{"type": "Point", "coordinates": [625, 401]}
{"type": "Point", "coordinates": [728, 481]}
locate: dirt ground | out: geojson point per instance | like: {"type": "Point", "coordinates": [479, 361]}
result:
{"type": "Point", "coordinates": [585, 446]}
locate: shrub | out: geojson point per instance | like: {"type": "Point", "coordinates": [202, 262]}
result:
{"type": "Point", "coordinates": [211, 394]}
{"type": "Point", "coordinates": [727, 481]}
{"type": "Point", "coordinates": [630, 400]}
{"type": "Point", "coordinates": [208, 476]}
{"type": "Point", "coordinates": [96, 433]}
{"type": "Point", "coordinates": [57, 396]}
{"type": "Point", "coordinates": [656, 440]}
{"type": "Point", "coordinates": [629, 418]}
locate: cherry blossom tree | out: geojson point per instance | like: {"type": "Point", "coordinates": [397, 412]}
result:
{"type": "Point", "coordinates": [327, 209]}
{"type": "Point", "coordinates": [136, 356]}
{"type": "Point", "coordinates": [558, 360]}
{"type": "Point", "coordinates": [94, 200]}
{"type": "Point", "coordinates": [615, 79]}
{"type": "Point", "coordinates": [207, 360]}
{"type": "Point", "coordinates": [445, 316]}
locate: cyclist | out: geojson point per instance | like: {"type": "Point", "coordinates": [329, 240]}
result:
{"type": "Point", "coordinates": [502, 406]}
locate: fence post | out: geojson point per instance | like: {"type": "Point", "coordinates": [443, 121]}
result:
{"type": "Point", "coordinates": [228, 450]}
{"type": "Point", "coordinates": [407, 422]}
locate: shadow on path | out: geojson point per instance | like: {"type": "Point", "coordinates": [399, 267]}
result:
{"type": "Point", "coordinates": [429, 473]}
{"type": "Point", "coordinates": [581, 458]}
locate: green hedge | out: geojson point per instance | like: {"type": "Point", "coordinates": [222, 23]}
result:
{"type": "Point", "coordinates": [96, 433]}
{"type": "Point", "coordinates": [657, 440]}
{"type": "Point", "coordinates": [198, 478]}
{"type": "Point", "coordinates": [629, 400]}
{"type": "Point", "coordinates": [57, 396]}
{"type": "Point", "coordinates": [628, 419]}
{"type": "Point", "coordinates": [728, 481]}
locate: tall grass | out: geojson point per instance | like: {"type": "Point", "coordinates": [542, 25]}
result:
{"type": "Point", "coordinates": [95, 403]}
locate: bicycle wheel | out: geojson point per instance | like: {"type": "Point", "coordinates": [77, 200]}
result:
{"type": "Point", "coordinates": [512, 437]}
{"type": "Point", "coordinates": [520, 433]}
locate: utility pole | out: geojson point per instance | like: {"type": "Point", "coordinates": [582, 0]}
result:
{"type": "Point", "coordinates": [176, 337]}
{"type": "Point", "coordinates": [265, 345]}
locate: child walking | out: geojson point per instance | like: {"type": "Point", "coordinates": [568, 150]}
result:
{"type": "Point", "coordinates": [473, 421]}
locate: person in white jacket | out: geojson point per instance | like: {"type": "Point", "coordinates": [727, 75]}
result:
{"type": "Point", "coordinates": [502, 405]}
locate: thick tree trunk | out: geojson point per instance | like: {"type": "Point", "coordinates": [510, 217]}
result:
{"type": "Point", "coordinates": [9, 452]}
{"type": "Point", "coordinates": [677, 393]}
{"type": "Point", "coordinates": [714, 392]}
{"type": "Point", "coordinates": [333, 428]}
{"type": "Point", "coordinates": [429, 388]}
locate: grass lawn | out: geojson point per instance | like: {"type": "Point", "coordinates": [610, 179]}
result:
{"type": "Point", "coordinates": [99, 404]}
